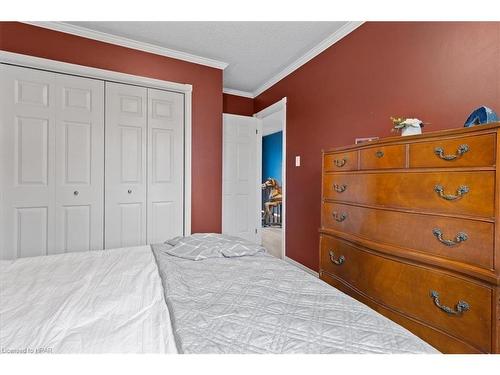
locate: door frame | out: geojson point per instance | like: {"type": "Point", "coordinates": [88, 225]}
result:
{"type": "Point", "coordinates": [55, 66]}
{"type": "Point", "coordinates": [273, 108]}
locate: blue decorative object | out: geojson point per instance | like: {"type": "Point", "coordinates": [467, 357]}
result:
{"type": "Point", "coordinates": [482, 115]}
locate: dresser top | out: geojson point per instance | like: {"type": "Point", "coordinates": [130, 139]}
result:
{"type": "Point", "coordinates": [451, 133]}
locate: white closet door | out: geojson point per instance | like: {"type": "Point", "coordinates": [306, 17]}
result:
{"type": "Point", "coordinates": [27, 112]}
{"type": "Point", "coordinates": [125, 165]}
{"type": "Point", "coordinates": [165, 165]}
{"type": "Point", "coordinates": [79, 164]}
{"type": "Point", "coordinates": [240, 180]}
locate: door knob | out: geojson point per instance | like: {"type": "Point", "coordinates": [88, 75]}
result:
{"type": "Point", "coordinates": [129, 191]}
{"type": "Point", "coordinates": [75, 193]}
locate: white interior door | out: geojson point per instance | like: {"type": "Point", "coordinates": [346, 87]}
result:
{"type": "Point", "coordinates": [241, 176]}
{"type": "Point", "coordinates": [27, 126]}
{"type": "Point", "coordinates": [79, 164]}
{"type": "Point", "coordinates": [165, 208]}
{"type": "Point", "coordinates": [125, 163]}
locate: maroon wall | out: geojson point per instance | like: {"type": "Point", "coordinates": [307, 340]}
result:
{"type": "Point", "coordinates": [438, 72]}
{"type": "Point", "coordinates": [237, 105]}
{"type": "Point", "coordinates": [207, 100]}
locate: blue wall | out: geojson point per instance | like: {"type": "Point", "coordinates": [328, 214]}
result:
{"type": "Point", "coordinates": [272, 156]}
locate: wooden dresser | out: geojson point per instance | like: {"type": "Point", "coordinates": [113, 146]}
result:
{"type": "Point", "coordinates": [410, 226]}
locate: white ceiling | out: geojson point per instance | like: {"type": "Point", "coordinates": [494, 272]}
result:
{"type": "Point", "coordinates": [255, 51]}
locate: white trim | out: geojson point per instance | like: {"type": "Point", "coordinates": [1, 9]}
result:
{"type": "Point", "coordinates": [301, 266]}
{"type": "Point", "coordinates": [283, 176]}
{"type": "Point", "coordinates": [129, 43]}
{"type": "Point", "coordinates": [112, 76]}
{"type": "Point", "coordinates": [187, 161]}
{"type": "Point", "coordinates": [258, 180]}
{"type": "Point", "coordinates": [89, 72]}
{"type": "Point", "coordinates": [245, 94]}
{"type": "Point", "coordinates": [323, 45]}
{"type": "Point", "coordinates": [278, 106]}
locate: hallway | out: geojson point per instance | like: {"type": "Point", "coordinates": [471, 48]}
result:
{"type": "Point", "coordinates": [272, 240]}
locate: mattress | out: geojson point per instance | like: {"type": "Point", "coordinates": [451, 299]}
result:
{"type": "Point", "coordinates": [260, 304]}
{"type": "Point", "coordinates": [91, 302]}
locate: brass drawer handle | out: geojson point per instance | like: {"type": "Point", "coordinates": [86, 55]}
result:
{"type": "Point", "coordinates": [339, 188]}
{"type": "Point", "coordinates": [462, 149]}
{"type": "Point", "coordinates": [460, 237]}
{"type": "Point", "coordinates": [462, 190]}
{"type": "Point", "coordinates": [379, 154]}
{"type": "Point", "coordinates": [461, 306]}
{"type": "Point", "coordinates": [340, 162]}
{"type": "Point", "coordinates": [340, 218]}
{"type": "Point", "coordinates": [339, 261]}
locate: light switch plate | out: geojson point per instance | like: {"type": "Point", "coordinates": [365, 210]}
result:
{"type": "Point", "coordinates": [297, 161]}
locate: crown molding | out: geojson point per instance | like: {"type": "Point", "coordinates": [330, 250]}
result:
{"type": "Point", "coordinates": [129, 43]}
{"type": "Point", "coordinates": [315, 51]}
{"type": "Point", "coordinates": [245, 94]}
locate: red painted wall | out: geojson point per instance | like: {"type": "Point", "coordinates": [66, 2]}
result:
{"type": "Point", "coordinates": [237, 105]}
{"type": "Point", "coordinates": [207, 100]}
{"type": "Point", "coordinates": [438, 72]}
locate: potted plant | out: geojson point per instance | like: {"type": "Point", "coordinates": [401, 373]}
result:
{"type": "Point", "coordinates": [407, 126]}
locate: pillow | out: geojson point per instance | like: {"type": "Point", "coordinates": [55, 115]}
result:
{"type": "Point", "coordinates": [201, 246]}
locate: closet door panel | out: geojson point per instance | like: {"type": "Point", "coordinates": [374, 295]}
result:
{"type": "Point", "coordinates": [79, 164]}
{"type": "Point", "coordinates": [27, 115]}
{"type": "Point", "coordinates": [125, 180]}
{"type": "Point", "coordinates": [165, 165]}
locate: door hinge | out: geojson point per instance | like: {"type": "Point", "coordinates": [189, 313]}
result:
{"type": "Point", "coordinates": [256, 131]}
{"type": "Point", "coordinates": [255, 230]}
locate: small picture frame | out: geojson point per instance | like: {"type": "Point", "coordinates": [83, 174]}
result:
{"type": "Point", "coordinates": [364, 140]}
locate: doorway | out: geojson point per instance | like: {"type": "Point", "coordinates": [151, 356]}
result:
{"type": "Point", "coordinates": [243, 175]}
{"type": "Point", "coordinates": [273, 189]}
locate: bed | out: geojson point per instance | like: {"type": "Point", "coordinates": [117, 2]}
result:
{"type": "Point", "coordinates": [203, 294]}
{"type": "Point", "coordinates": [252, 302]}
{"type": "Point", "coordinates": [88, 302]}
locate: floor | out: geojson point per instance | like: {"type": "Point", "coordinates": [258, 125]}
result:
{"type": "Point", "coordinates": [271, 240]}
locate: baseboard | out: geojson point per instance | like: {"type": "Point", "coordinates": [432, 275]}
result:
{"type": "Point", "coordinates": [301, 266]}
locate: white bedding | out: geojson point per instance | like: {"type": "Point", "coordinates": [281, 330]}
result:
{"type": "Point", "coordinates": [95, 302]}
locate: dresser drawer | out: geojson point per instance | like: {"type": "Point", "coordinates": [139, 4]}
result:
{"type": "Point", "coordinates": [466, 241]}
{"type": "Point", "coordinates": [476, 151]}
{"type": "Point", "coordinates": [467, 193]}
{"type": "Point", "coordinates": [347, 161]}
{"type": "Point", "coordinates": [383, 157]}
{"type": "Point", "coordinates": [409, 289]}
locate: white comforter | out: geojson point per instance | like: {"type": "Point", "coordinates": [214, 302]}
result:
{"type": "Point", "coordinates": [96, 302]}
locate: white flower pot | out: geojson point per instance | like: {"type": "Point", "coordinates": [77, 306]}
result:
{"type": "Point", "coordinates": [411, 130]}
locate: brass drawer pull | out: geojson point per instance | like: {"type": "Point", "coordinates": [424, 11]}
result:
{"type": "Point", "coordinates": [340, 218]}
{"type": "Point", "coordinates": [461, 306]}
{"type": "Point", "coordinates": [340, 162]}
{"type": "Point", "coordinates": [379, 154]}
{"type": "Point", "coordinates": [339, 261]}
{"type": "Point", "coordinates": [462, 190]}
{"type": "Point", "coordinates": [462, 149]}
{"type": "Point", "coordinates": [339, 188]}
{"type": "Point", "coordinates": [460, 237]}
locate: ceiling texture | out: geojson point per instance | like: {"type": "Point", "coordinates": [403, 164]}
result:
{"type": "Point", "coordinates": [256, 53]}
